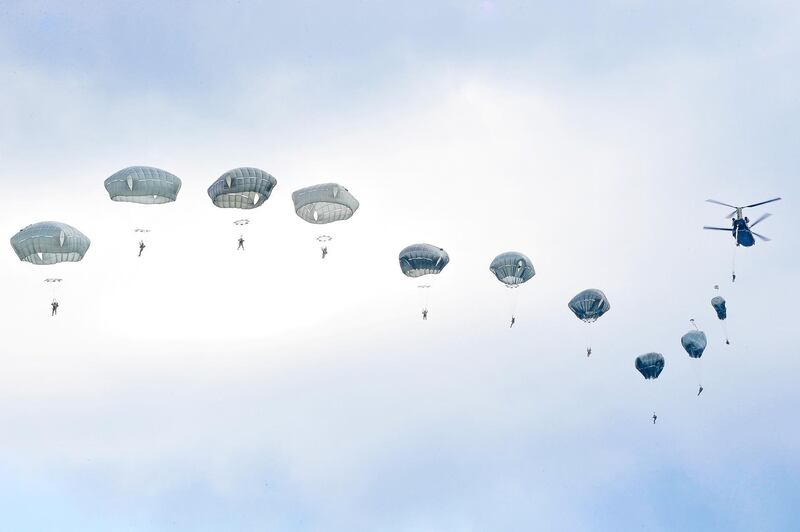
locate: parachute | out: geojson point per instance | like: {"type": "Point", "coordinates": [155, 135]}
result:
{"type": "Point", "coordinates": [242, 188]}
{"type": "Point", "coordinates": [418, 260]}
{"type": "Point", "coordinates": [512, 268]}
{"type": "Point", "coordinates": [719, 307]}
{"type": "Point", "coordinates": [323, 204]}
{"type": "Point", "coordinates": [694, 342]}
{"type": "Point", "coordinates": [589, 305]}
{"type": "Point", "coordinates": [650, 365]}
{"type": "Point", "coordinates": [423, 259]}
{"type": "Point", "coordinates": [50, 243]}
{"type": "Point", "coordinates": [718, 302]}
{"type": "Point", "coordinates": [143, 184]}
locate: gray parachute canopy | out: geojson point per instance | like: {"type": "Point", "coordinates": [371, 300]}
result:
{"type": "Point", "coordinates": [423, 259]}
{"type": "Point", "coordinates": [650, 365]}
{"type": "Point", "coordinates": [589, 305]}
{"type": "Point", "coordinates": [694, 342]}
{"type": "Point", "coordinates": [242, 188]}
{"type": "Point", "coordinates": [143, 184]}
{"type": "Point", "coordinates": [323, 204]}
{"type": "Point", "coordinates": [50, 243]}
{"type": "Point", "coordinates": [512, 268]}
{"type": "Point", "coordinates": [719, 306]}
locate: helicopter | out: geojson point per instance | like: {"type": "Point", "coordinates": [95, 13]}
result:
{"type": "Point", "coordinates": [741, 229]}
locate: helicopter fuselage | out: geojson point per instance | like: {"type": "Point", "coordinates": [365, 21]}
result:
{"type": "Point", "coordinates": [741, 232]}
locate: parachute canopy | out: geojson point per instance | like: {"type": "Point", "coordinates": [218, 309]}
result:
{"type": "Point", "coordinates": [719, 306]}
{"type": "Point", "coordinates": [323, 204]}
{"type": "Point", "coordinates": [694, 342]}
{"type": "Point", "coordinates": [50, 243]}
{"type": "Point", "coordinates": [143, 184]}
{"type": "Point", "coordinates": [512, 268]}
{"type": "Point", "coordinates": [423, 259]}
{"type": "Point", "coordinates": [589, 305]}
{"type": "Point", "coordinates": [242, 188]}
{"type": "Point", "coordinates": [650, 365]}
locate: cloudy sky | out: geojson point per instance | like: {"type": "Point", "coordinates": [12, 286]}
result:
{"type": "Point", "coordinates": [198, 388]}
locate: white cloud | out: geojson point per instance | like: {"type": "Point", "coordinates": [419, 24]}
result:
{"type": "Point", "coordinates": [197, 374]}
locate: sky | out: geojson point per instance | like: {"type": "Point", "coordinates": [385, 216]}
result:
{"type": "Point", "coordinates": [200, 388]}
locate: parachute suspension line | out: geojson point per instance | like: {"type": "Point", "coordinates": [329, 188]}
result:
{"type": "Point", "coordinates": [697, 368]}
{"type": "Point", "coordinates": [53, 282]}
{"type": "Point", "coordinates": [656, 393]}
{"type": "Point", "coordinates": [651, 387]}
{"type": "Point", "coordinates": [424, 297]}
{"type": "Point", "coordinates": [588, 338]}
{"type": "Point", "coordinates": [513, 300]}
{"type": "Point", "coordinates": [698, 371]}
{"type": "Point", "coordinates": [657, 398]}
{"type": "Point", "coordinates": [725, 331]}
{"type": "Point", "coordinates": [654, 402]}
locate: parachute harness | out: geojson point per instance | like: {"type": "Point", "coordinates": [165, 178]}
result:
{"type": "Point", "coordinates": [323, 243]}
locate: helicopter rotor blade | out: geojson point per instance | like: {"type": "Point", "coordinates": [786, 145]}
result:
{"type": "Point", "coordinates": [761, 219]}
{"type": "Point", "coordinates": [723, 204]}
{"type": "Point", "coordinates": [762, 237]}
{"type": "Point", "coordinates": [761, 203]}
{"type": "Point", "coordinates": [728, 229]}
{"type": "Point", "coordinates": [731, 214]}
